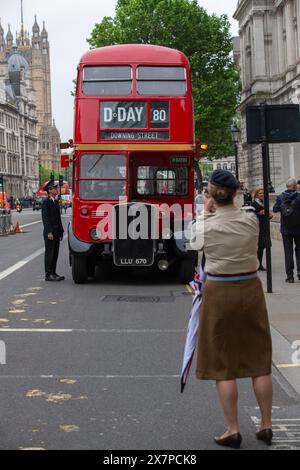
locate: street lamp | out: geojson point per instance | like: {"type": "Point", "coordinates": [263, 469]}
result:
{"type": "Point", "coordinates": [235, 135]}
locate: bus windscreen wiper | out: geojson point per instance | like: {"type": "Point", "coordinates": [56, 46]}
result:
{"type": "Point", "coordinates": [96, 163]}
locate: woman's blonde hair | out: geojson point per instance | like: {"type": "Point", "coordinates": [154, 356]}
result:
{"type": "Point", "coordinates": [222, 195]}
{"type": "Point", "coordinates": [257, 191]}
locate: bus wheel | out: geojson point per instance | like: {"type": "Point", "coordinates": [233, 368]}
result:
{"type": "Point", "coordinates": [79, 269]}
{"type": "Point", "coordinates": [91, 268]}
{"type": "Point", "coordinates": [187, 270]}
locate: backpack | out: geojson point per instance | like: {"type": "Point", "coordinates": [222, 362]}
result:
{"type": "Point", "coordinates": [290, 211]}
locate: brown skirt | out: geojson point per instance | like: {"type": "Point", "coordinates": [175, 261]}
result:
{"type": "Point", "coordinates": [234, 336]}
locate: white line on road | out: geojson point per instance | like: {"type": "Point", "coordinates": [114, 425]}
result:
{"type": "Point", "coordinates": [89, 376]}
{"type": "Point", "coordinates": [71, 330]}
{"type": "Point", "coordinates": [34, 330]}
{"type": "Point", "coordinates": [32, 223]}
{"type": "Point", "coordinates": [7, 272]}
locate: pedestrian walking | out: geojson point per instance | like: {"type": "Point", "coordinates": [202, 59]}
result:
{"type": "Point", "coordinates": [288, 204]}
{"type": "Point", "coordinates": [53, 232]}
{"type": "Point", "coordinates": [234, 338]}
{"type": "Point", "coordinates": [258, 205]}
{"type": "Point", "coordinates": [298, 186]}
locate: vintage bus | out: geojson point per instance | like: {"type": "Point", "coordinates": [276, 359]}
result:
{"type": "Point", "coordinates": [134, 152]}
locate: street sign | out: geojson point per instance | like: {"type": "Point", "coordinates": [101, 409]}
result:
{"type": "Point", "coordinates": [282, 124]}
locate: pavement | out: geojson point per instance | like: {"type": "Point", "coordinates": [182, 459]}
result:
{"type": "Point", "coordinates": [97, 366]}
{"type": "Point", "coordinates": [284, 312]}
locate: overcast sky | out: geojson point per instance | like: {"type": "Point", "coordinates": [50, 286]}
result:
{"type": "Point", "coordinates": [69, 23]}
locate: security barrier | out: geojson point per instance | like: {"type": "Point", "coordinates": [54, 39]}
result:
{"type": "Point", "coordinates": [5, 222]}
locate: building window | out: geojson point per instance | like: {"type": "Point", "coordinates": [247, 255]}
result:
{"type": "Point", "coordinates": [225, 167]}
{"type": "Point", "coordinates": [219, 166]}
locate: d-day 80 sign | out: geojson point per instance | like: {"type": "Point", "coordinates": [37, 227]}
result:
{"type": "Point", "coordinates": [134, 115]}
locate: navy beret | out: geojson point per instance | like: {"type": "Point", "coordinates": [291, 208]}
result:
{"type": "Point", "coordinates": [50, 185]}
{"type": "Point", "coordinates": [224, 178]}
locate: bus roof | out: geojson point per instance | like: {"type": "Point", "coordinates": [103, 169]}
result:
{"type": "Point", "coordinates": [134, 54]}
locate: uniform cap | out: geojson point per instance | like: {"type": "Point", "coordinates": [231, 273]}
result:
{"type": "Point", "coordinates": [224, 178]}
{"type": "Point", "coordinates": [50, 185]}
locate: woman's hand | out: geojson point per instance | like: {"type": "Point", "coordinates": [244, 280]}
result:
{"type": "Point", "coordinates": [208, 203]}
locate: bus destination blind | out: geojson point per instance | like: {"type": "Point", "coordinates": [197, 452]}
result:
{"type": "Point", "coordinates": [120, 120]}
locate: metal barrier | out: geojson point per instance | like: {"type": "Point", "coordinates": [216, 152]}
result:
{"type": "Point", "coordinates": [5, 220]}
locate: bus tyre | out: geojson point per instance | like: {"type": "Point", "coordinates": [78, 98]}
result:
{"type": "Point", "coordinates": [79, 269]}
{"type": "Point", "coordinates": [91, 269]}
{"type": "Point", "coordinates": [187, 270]}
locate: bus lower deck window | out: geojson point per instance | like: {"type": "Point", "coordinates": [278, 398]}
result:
{"type": "Point", "coordinates": [155, 181]}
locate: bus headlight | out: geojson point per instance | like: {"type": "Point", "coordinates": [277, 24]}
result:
{"type": "Point", "coordinates": [163, 264]}
{"type": "Point", "coordinates": [84, 211]}
{"type": "Point", "coordinates": [96, 234]}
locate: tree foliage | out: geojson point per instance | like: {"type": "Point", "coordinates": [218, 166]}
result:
{"type": "Point", "coordinates": [204, 38]}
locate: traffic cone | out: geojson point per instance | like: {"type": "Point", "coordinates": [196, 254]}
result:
{"type": "Point", "coordinates": [4, 232]}
{"type": "Point", "coordinates": [12, 230]}
{"type": "Point", "coordinates": [18, 228]}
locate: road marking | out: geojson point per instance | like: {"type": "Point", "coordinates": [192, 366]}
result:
{"type": "Point", "coordinates": [20, 264]}
{"type": "Point", "coordinates": [189, 289]}
{"type": "Point", "coordinates": [83, 377]}
{"type": "Point", "coordinates": [7, 272]}
{"type": "Point", "coordinates": [71, 330]}
{"type": "Point", "coordinates": [285, 366]}
{"type": "Point", "coordinates": [32, 223]}
{"type": "Point", "coordinates": [33, 330]}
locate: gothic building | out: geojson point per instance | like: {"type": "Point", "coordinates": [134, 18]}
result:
{"type": "Point", "coordinates": [28, 135]}
{"type": "Point", "coordinates": [268, 55]}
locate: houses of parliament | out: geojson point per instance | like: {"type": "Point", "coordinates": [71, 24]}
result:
{"type": "Point", "coordinates": [28, 135]}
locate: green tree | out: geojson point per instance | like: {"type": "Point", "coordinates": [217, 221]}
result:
{"type": "Point", "coordinates": [204, 38]}
{"type": "Point", "coordinates": [45, 174]}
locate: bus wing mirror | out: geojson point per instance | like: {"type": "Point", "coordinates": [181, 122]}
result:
{"type": "Point", "coordinates": [64, 161]}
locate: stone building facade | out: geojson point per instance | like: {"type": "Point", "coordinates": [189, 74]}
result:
{"type": "Point", "coordinates": [25, 79]}
{"type": "Point", "coordinates": [268, 55]}
{"type": "Point", "coordinates": [18, 128]}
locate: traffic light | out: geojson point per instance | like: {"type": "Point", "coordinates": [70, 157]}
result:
{"type": "Point", "coordinates": [1, 181]}
{"type": "Point", "coordinates": [61, 180]}
{"type": "Point", "coordinates": [52, 178]}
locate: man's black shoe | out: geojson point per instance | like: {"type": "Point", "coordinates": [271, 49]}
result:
{"type": "Point", "coordinates": [290, 280]}
{"type": "Point", "coordinates": [59, 278]}
{"type": "Point", "coordinates": [51, 278]}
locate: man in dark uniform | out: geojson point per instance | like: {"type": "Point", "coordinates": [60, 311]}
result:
{"type": "Point", "coordinates": [53, 232]}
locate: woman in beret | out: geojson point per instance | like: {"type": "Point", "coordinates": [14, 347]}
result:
{"type": "Point", "coordinates": [234, 334]}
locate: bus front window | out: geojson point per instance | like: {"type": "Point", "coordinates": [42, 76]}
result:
{"type": "Point", "coordinates": [102, 176]}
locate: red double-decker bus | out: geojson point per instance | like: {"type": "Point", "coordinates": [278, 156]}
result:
{"type": "Point", "coordinates": [134, 152]}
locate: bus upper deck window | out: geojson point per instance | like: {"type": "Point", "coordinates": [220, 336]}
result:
{"type": "Point", "coordinates": [107, 80]}
{"type": "Point", "coordinates": [161, 81]}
